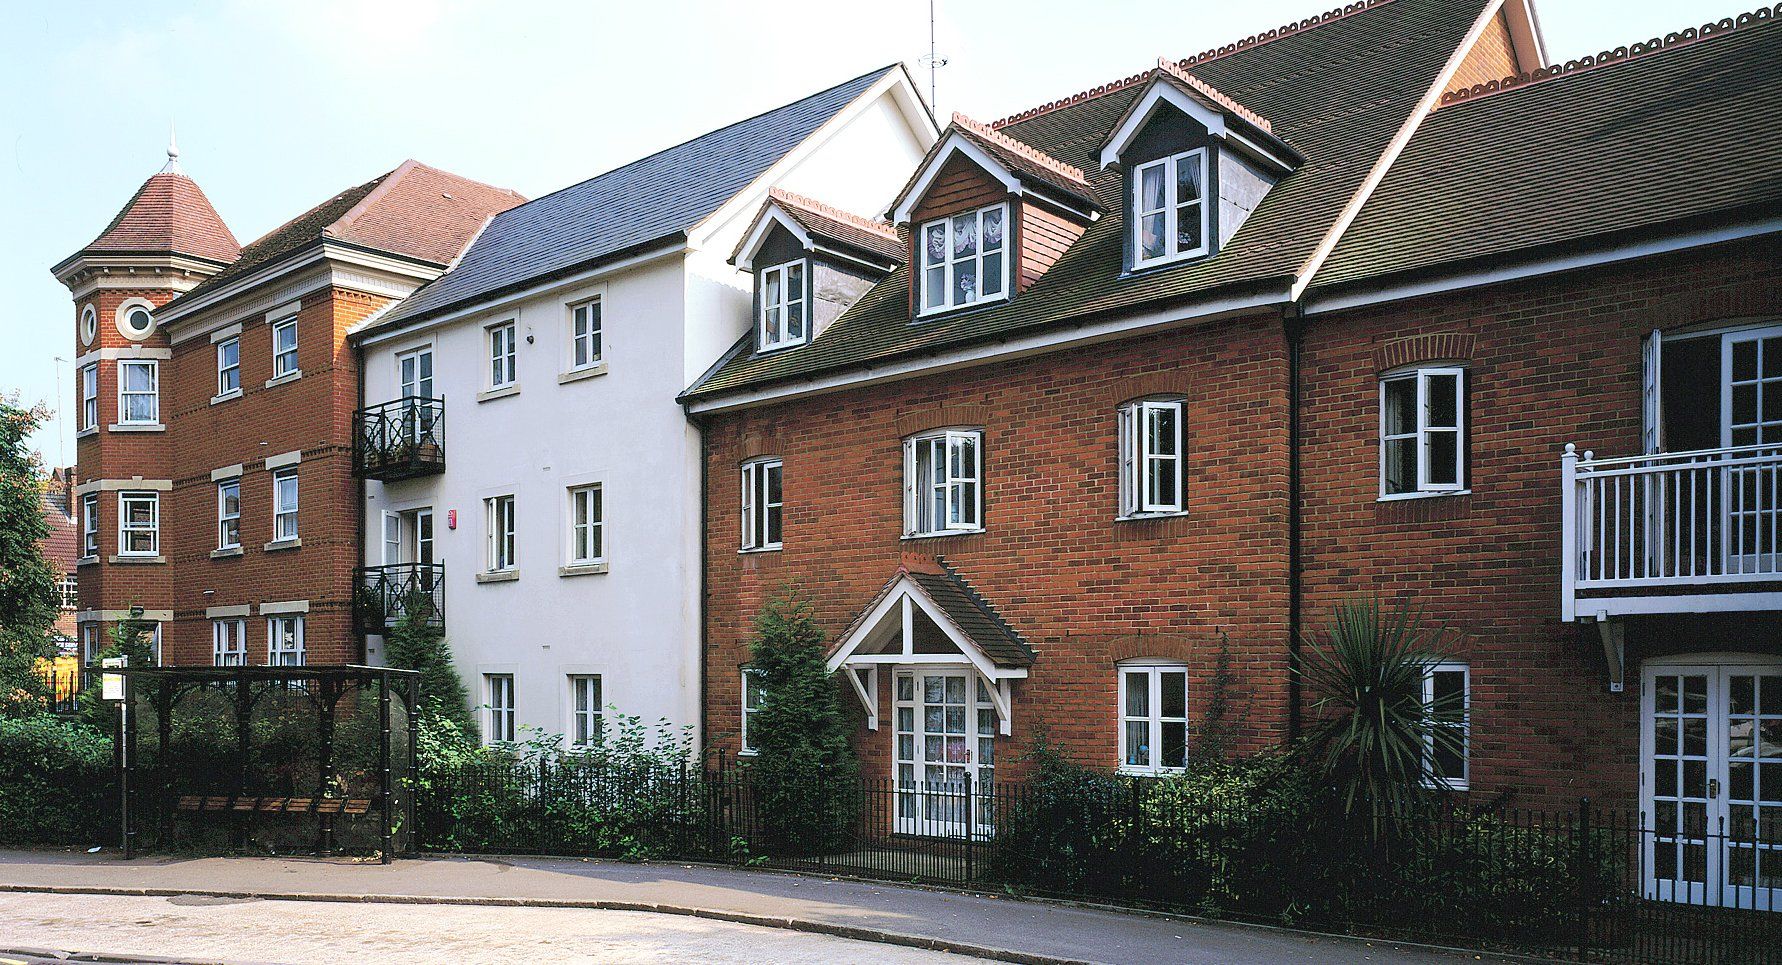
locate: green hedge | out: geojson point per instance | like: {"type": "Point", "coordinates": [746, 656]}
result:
{"type": "Point", "coordinates": [56, 783]}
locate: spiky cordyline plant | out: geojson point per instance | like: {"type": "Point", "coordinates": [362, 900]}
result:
{"type": "Point", "coordinates": [1371, 728]}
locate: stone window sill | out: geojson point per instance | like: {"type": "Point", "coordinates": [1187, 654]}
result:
{"type": "Point", "coordinates": [138, 559]}
{"type": "Point", "coordinates": [1438, 494]}
{"type": "Point", "coordinates": [499, 576]}
{"type": "Point", "coordinates": [585, 372]}
{"type": "Point", "coordinates": [226, 396]}
{"type": "Point", "coordinates": [581, 569]}
{"type": "Point", "coordinates": [86, 561]}
{"type": "Point", "coordinates": [282, 544]}
{"type": "Point", "coordinates": [225, 553]}
{"type": "Point", "coordinates": [137, 427]}
{"type": "Point", "coordinates": [489, 395]}
{"type": "Point", "coordinates": [753, 550]}
{"type": "Point", "coordinates": [88, 431]}
{"type": "Point", "coordinates": [290, 376]}
{"type": "Point", "coordinates": [944, 535]}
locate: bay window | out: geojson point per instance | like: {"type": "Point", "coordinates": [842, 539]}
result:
{"type": "Point", "coordinates": [964, 259]}
{"type": "Point", "coordinates": [943, 482]}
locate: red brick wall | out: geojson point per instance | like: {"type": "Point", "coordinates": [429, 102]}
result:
{"type": "Point", "coordinates": [1551, 361]}
{"type": "Point", "coordinates": [1084, 589]}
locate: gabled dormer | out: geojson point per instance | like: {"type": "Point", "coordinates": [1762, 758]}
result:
{"type": "Point", "coordinates": [987, 215]}
{"type": "Point", "coordinates": [810, 262]}
{"type": "Point", "coordinates": [1196, 164]}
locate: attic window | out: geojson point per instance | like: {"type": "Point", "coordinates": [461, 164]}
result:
{"type": "Point", "coordinates": [783, 320]}
{"type": "Point", "coordinates": [1169, 209]}
{"type": "Point", "coordinates": [964, 259]}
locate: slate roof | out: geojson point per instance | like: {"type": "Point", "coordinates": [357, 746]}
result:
{"type": "Point", "coordinates": [628, 208]}
{"type": "Point", "coordinates": [876, 239]}
{"type": "Point", "coordinates": [169, 213]}
{"type": "Point", "coordinates": [415, 211]}
{"type": "Point", "coordinates": [1336, 91]}
{"type": "Point", "coordinates": [1668, 138]}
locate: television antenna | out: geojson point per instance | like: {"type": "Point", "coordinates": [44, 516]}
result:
{"type": "Point", "coordinates": [933, 61]}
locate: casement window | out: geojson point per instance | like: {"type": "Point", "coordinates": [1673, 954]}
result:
{"type": "Point", "coordinates": [498, 512]}
{"type": "Point", "coordinates": [90, 645]}
{"type": "Point", "coordinates": [584, 335]}
{"type": "Point", "coordinates": [762, 508]}
{"type": "Point", "coordinates": [964, 259]}
{"type": "Point", "coordinates": [1169, 209]}
{"type": "Point", "coordinates": [70, 591]}
{"type": "Point", "coordinates": [139, 524]}
{"type": "Point", "coordinates": [1447, 694]}
{"type": "Point", "coordinates": [139, 392]}
{"type": "Point", "coordinates": [284, 505]}
{"type": "Point", "coordinates": [89, 395]}
{"type": "Point", "coordinates": [586, 537]}
{"type": "Point", "coordinates": [783, 319]}
{"type": "Point", "coordinates": [502, 357]}
{"type": "Point", "coordinates": [585, 701]}
{"type": "Point", "coordinates": [943, 482]}
{"type": "Point", "coordinates": [1423, 432]}
{"type": "Point", "coordinates": [498, 707]}
{"type": "Point", "coordinates": [89, 525]}
{"type": "Point", "coordinates": [284, 347]}
{"type": "Point", "coordinates": [284, 641]}
{"type": "Point", "coordinates": [228, 643]}
{"type": "Point", "coordinates": [228, 366]}
{"type": "Point", "coordinates": [1153, 717]}
{"type": "Point", "coordinates": [1151, 458]}
{"type": "Point", "coordinates": [752, 692]}
{"type": "Point", "coordinates": [229, 514]}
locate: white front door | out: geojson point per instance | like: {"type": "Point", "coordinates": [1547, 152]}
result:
{"type": "Point", "coordinates": [1751, 414]}
{"type": "Point", "coordinates": [945, 738]}
{"type": "Point", "coordinates": [1711, 783]}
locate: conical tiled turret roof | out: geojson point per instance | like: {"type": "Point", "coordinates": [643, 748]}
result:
{"type": "Point", "coordinates": [169, 213]}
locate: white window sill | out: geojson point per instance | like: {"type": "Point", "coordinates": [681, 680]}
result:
{"type": "Point", "coordinates": [226, 396]}
{"type": "Point", "coordinates": [585, 372]}
{"type": "Point", "coordinates": [748, 753]}
{"type": "Point", "coordinates": [85, 560]}
{"type": "Point", "coordinates": [283, 544]}
{"type": "Point", "coordinates": [137, 427]}
{"type": "Point", "coordinates": [581, 569]}
{"type": "Point", "coordinates": [1436, 494]}
{"type": "Point", "coordinates": [225, 552]}
{"type": "Point", "coordinates": [498, 576]}
{"type": "Point", "coordinates": [1129, 771]}
{"type": "Point", "coordinates": [939, 310]}
{"type": "Point", "coordinates": [770, 349]}
{"type": "Point", "coordinates": [290, 376]}
{"type": "Point", "coordinates": [138, 558]}
{"type": "Point", "coordinates": [1175, 259]}
{"type": "Point", "coordinates": [1443, 784]}
{"type": "Point", "coordinates": [490, 394]}
{"type": "Point", "coordinates": [944, 533]}
{"type": "Point", "coordinates": [748, 550]}
{"type": "Point", "coordinates": [1141, 517]}
{"type": "Point", "coordinates": [88, 431]}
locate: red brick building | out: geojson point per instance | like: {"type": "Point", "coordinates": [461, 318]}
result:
{"type": "Point", "coordinates": [217, 390]}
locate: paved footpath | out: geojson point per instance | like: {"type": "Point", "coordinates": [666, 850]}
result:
{"type": "Point", "coordinates": [919, 918]}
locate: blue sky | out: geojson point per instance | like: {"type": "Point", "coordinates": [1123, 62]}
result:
{"type": "Point", "coordinates": [280, 105]}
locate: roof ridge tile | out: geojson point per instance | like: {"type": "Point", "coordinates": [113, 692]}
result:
{"type": "Point", "coordinates": [881, 228]}
{"type": "Point", "coordinates": [1021, 148]}
{"type": "Point", "coordinates": [1170, 68]}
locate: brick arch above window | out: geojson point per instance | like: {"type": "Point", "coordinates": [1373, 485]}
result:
{"type": "Point", "coordinates": [1152, 646]}
{"type": "Point", "coordinates": [1685, 309]}
{"type": "Point", "coordinates": [913, 421]}
{"type": "Point", "coordinates": [1148, 385]}
{"type": "Point", "coordinates": [1428, 347]}
{"type": "Point", "coordinates": [759, 442]}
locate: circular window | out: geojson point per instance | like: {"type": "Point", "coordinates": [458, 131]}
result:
{"type": "Point", "coordinates": [89, 325]}
{"type": "Point", "coordinates": [136, 320]}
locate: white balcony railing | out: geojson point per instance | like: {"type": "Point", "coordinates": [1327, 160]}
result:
{"type": "Point", "coordinates": [1673, 519]}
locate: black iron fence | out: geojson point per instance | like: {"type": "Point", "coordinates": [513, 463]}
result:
{"type": "Point", "coordinates": [383, 595]}
{"type": "Point", "coordinates": [1587, 884]}
{"type": "Point", "coordinates": [399, 439]}
{"type": "Point", "coordinates": [63, 684]}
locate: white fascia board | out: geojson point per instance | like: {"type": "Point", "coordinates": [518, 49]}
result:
{"type": "Point", "coordinates": [278, 269]}
{"type": "Point", "coordinates": [1000, 351]}
{"type": "Point", "coordinates": [954, 144]}
{"type": "Point", "coordinates": [1323, 305]}
{"type": "Point", "coordinates": [771, 214]}
{"type": "Point", "coordinates": [1160, 91]}
{"type": "Point", "coordinates": [409, 275]}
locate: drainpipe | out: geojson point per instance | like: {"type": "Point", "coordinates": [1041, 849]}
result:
{"type": "Point", "coordinates": [1293, 324]}
{"type": "Point", "coordinates": [704, 567]}
{"type": "Point", "coordinates": [359, 489]}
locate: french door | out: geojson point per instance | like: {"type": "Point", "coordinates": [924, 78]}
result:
{"type": "Point", "coordinates": [1711, 784]}
{"type": "Point", "coordinates": [414, 377]}
{"type": "Point", "coordinates": [945, 753]}
{"type": "Point", "coordinates": [1751, 414]}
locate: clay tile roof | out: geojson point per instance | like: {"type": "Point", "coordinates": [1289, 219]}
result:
{"type": "Point", "coordinates": [1025, 160]}
{"type": "Point", "coordinates": [877, 238]}
{"type": "Point", "coordinates": [1182, 78]}
{"type": "Point", "coordinates": [61, 546]}
{"type": "Point", "coordinates": [168, 214]}
{"type": "Point", "coordinates": [962, 604]}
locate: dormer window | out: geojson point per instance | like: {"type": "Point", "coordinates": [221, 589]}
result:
{"type": "Point", "coordinates": [784, 317]}
{"type": "Point", "coordinates": [1170, 211]}
{"type": "Point", "coordinates": [964, 259]}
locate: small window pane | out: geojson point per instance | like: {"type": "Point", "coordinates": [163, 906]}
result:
{"type": "Point", "coordinates": [1444, 453]}
{"type": "Point", "coordinates": [1138, 694]}
{"type": "Point", "coordinates": [1151, 188]}
{"type": "Point", "coordinates": [1175, 744]}
{"type": "Point", "coordinates": [1188, 178]}
{"type": "Point", "coordinates": [1444, 400]}
{"type": "Point", "coordinates": [1151, 235]}
{"type": "Point", "coordinates": [1175, 693]}
{"type": "Point", "coordinates": [1401, 406]}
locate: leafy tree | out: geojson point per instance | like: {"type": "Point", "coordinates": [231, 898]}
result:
{"type": "Point", "coordinates": [132, 639]}
{"type": "Point", "coordinates": [806, 776]}
{"type": "Point", "coordinates": [415, 643]}
{"type": "Point", "coordinates": [28, 595]}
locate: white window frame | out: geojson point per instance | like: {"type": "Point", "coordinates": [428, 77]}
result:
{"type": "Point", "coordinates": [89, 395]}
{"type": "Point", "coordinates": [228, 524]}
{"type": "Point", "coordinates": [500, 529]}
{"type": "Point", "coordinates": [68, 590]}
{"type": "Point", "coordinates": [747, 745]}
{"type": "Point", "coordinates": [928, 503]}
{"type": "Point", "coordinates": [228, 642]}
{"type": "Point", "coordinates": [292, 656]}
{"type": "Point", "coordinates": [1137, 499]}
{"type": "Point", "coordinates": [586, 330]}
{"type": "Point", "coordinates": [503, 354]}
{"type": "Point", "coordinates": [1423, 431]}
{"type": "Point", "coordinates": [1430, 778]}
{"type": "Point", "coordinates": [1153, 670]}
{"type": "Point", "coordinates": [91, 643]}
{"type": "Point", "coordinates": [89, 325]}
{"type": "Point", "coordinates": [948, 262]}
{"type": "Point", "coordinates": [228, 373]}
{"type": "Point", "coordinates": [284, 360]}
{"type": "Point", "coordinates": [284, 513]}
{"type": "Point", "coordinates": [758, 507]}
{"type": "Point", "coordinates": [152, 393]}
{"type": "Point", "coordinates": [581, 531]}
{"type": "Point", "coordinates": [783, 305]}
{"type": "Point", "coordinates": [152, 528]}
{"type": "Point", "coordinates": [1171, 209]}
{"type": "Point", "coordinates": [587, 718]}
{"type": "Point", "coordinates": [499, 725]}
{"type": "Point", "coordinates": [89, 526]}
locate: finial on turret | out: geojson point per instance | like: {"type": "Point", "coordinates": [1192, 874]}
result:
{"type": "Point", "coordinates": [172, 166]}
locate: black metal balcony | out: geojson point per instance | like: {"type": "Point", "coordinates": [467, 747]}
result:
{"type": "Point", "coordinates": [383, 595]}
{"type": "Point", "coordinates": [399, 440]}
